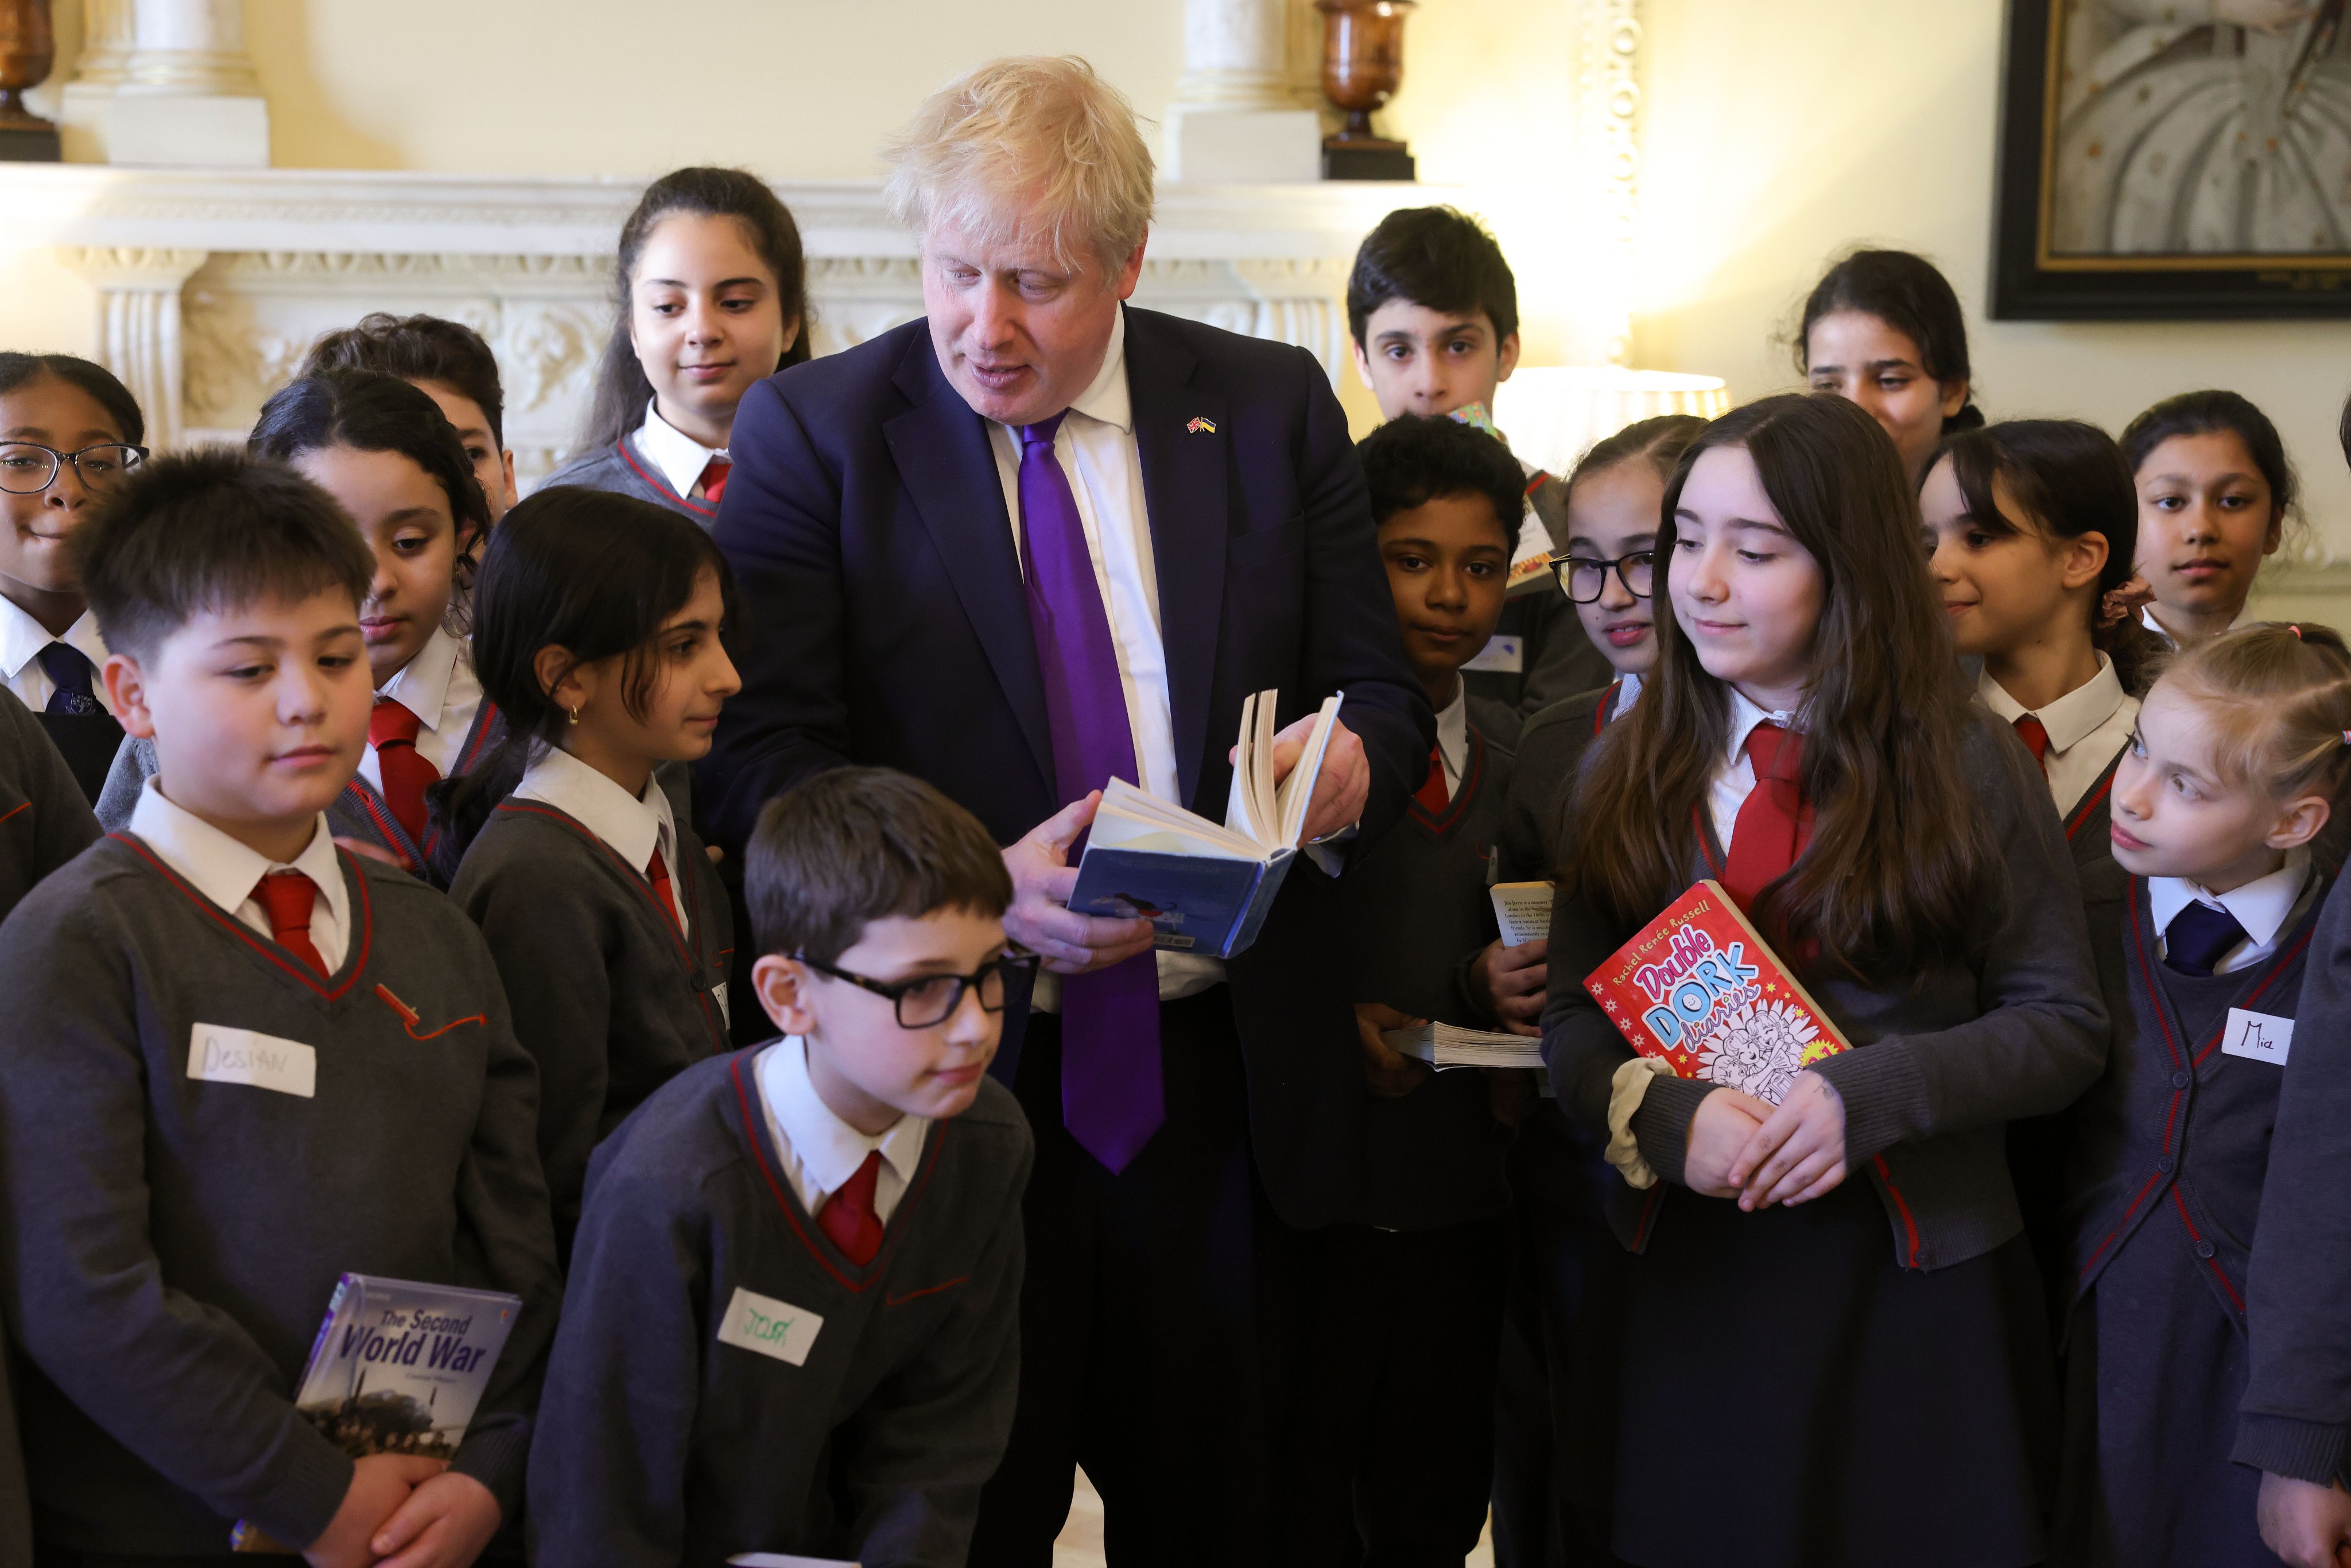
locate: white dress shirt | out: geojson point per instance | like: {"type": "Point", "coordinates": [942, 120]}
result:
{"type": "Point", "coordinates": [677, 456]}
{"type": "Point", "coordinates": [1734, 778]}
{"type": "Point", "coordinates": [2264, 906]}
{"type": "Point", "coordinates": [2147, 619]}
{"type": "Point", "coordinates": [634, 825]}
{"type": "Point", "coordinates": [1095, 446]}
{"type": "Point", "coordinates": [226, 871]}
{"type": "Point", "coordinates": [819, 1150]}
{"type": "Point", "coordinates": [439, 686]}
{"type": "Point", "coordinates": [2087, 726]}
{"type": "Point", "coordinates": [1628, 693]}
{"type": "Point", "coordinates": [1452, 737]}
{"type": "Point", "coordinates": [22, 638]}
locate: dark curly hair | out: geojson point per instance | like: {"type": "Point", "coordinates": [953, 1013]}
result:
{"type": "Point", "coordinates": [1412, 460]}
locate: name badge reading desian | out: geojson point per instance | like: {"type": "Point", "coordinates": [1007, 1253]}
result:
{"type": "Point", "coordinates": [219, 1054]}
{"type": "Point", "coordinates": [2261, 1037]}
{"type": "Point", "coordinates": [768, 1326]}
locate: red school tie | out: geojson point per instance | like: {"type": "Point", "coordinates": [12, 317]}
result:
{"type": "Point", "coordinates": [714, 479]}
{"type": "Point", "coordinates": [405, 772]}
{"type": "Point", "coordinates": [657, 873]}
{"type": "Point", "coordinates": [2036, 740]}
{"type": "Point", "coordinates": [848, 1219]}
{"type": "Point", "coordinates": [1431, 794]}
{"type": "Point", "coordinates": [288, 897]}
{"type": "Point", "coordinates": [1775, 821]}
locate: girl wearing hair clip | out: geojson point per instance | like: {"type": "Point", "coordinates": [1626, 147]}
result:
{"type": "Point", "coordinates": [2204, 1404]}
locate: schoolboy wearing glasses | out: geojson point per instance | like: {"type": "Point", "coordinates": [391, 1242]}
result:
{"type": "Point", "coordinates": [793, 1312]}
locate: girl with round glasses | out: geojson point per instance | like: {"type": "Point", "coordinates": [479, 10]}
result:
{"type": "Point", "coordinates": [68, 430]}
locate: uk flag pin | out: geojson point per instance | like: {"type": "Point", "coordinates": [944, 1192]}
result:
{"type": "Point", "coordinates": [1199, 425]}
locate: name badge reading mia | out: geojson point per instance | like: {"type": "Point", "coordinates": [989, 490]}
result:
{"type": "Point", "coordinates": [771, 1327]}
{"type": "Point", "coordinates": [2260, 1037]}
{"type": "Point", "coordinates": [219, 1054]}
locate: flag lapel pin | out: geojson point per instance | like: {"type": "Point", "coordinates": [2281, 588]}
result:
{"type": "Point", "coordinates": [1199, 425]}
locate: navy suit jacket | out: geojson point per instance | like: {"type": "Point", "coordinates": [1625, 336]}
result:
{"type": "Point", "coordinates": [883, 623]}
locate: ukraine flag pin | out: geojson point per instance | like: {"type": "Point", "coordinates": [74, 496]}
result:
{"type": "Point", "coordinates": [1199, 425]}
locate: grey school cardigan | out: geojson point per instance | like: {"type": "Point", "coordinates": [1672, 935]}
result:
{"type": "Point", "coordinates": [619, 467]}
{"type": "Point", "coordinates": [2011, 1027]}
{"type": "Point", "coordinates": [670, 1438]}
{"type": "Point", "coordinates": [170, 1243]}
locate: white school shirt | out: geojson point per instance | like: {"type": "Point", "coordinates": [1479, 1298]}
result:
{"type": "Point", "coordinates": [819, 1150]}
{"type": "Point", "coordinates": [22, 638]}
{"type": "Point", "coordinates": [439, 686]}
{"type": "Point", "coordinates": [1452, 737]}
{"type": "Point", "coordinates": [634, 825]}
{"type": "Point", "coordinates": [2146, 618]}
{"type": "Point", "coordinates": [2264, 906]}
{"type": "Point", "coordinates": [226, 871]}
{"type": "Point", "coordinates": [1734, 778]}
{"type": "Point", "coordinates": [1095, 446]}
{"type": "Point", "coordinates": [1628, 691]}
{"type": "Point", "coordinates": [679, 456]}
{"type": "Point", "coordinates": [2086, 727]}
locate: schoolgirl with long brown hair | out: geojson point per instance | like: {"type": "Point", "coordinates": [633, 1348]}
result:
{"type": "Point", "coordinates": [1833, 1329]}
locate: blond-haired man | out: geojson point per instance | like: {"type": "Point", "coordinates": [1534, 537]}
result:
{"type": "Point", "coordinates": [1035, 541]}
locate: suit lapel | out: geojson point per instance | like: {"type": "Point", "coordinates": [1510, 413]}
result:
{"type": "Point", "coordinates": [941, 449]}
{"type": "Point", "coordinates": [1186, 472]}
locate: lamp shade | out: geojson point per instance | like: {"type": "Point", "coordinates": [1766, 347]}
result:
{"type": "Point", "coordinates": [1553, 413]}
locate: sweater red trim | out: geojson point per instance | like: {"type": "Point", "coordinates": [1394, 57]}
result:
{"type": "Point", "coordinates": [696, 507]}
{"type": "Point", "coordinates": [270, 950]}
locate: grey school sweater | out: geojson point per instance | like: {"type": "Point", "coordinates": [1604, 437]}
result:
{"type": "Point", "coordinates": [679, 1429]}
{"type": "Point", "coordinates": [2012, 1026]}
{"type": "Point", "coordinates": [617, 467]}
{"type": "Point", "coordinates": [606, 998]}
{"type": "Point", "coordinates": [170, 1242]}
{"type": "Point", "coordinates": [45, 822]}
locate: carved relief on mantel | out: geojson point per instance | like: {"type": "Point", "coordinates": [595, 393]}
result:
{"type": "Point", "coordinates": [248, 318]}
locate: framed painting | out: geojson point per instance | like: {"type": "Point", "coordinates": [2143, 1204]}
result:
{"type": "Point", "coordinates": [2173, 159]}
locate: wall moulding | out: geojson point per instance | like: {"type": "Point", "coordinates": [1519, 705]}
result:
{"type": "Point", "coordinates": [209, 284]}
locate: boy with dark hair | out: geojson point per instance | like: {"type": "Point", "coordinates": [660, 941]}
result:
{"type": "Point", "coordinates": [448, 362]}
{"type": "Point", "coordinates": [1415, 1411]}
{"type": "Point", "coordinates": [251, 1064]}
{"type": "Point", "coordinates": [794, 1307]}
{"type": "Point", "coordinates": [1434, 311]}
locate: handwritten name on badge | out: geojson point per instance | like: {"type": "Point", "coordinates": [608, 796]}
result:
{"type": "Point", "coordinates": [1503, 654]}
{"type": "Point", "coordinates": [219, 1054]}
{"type": "Point", "coordinates": [771, 1327]}
{"type": "Point", "coordinates": [2262, 1037]}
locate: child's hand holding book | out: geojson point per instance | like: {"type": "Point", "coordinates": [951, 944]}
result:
{"type": "Point", "coordinates": [1797, 1153]}
{"type": "Point", "coordinates": [1724, 1125]}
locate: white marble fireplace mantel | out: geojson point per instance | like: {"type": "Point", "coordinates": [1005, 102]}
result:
{"type": "Point", "coordinates": [209, 284]}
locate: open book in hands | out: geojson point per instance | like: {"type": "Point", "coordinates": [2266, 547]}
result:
{"type": "Point", "coordinates": [1204, 889]}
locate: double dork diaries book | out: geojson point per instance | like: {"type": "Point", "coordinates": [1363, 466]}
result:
{"type": "Point", "coordinates": [1699, 990]}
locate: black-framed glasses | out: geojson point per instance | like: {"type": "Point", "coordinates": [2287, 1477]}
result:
{"type": "Point", "coordinates": [928, 1000]}
{"type": "Point", "coordinates": [27, 467]}
{"type": "Point", "coordinates": [1586, 579]}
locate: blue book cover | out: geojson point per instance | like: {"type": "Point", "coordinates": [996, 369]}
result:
{"type": "Point", "coordinates": [1196, 903]}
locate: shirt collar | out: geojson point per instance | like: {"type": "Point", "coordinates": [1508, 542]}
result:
{"type": "Point", "coordinates": [1628, 691]}
{"type": "Point", "coordinates": [827, 1147]}
{"type": "Point", "coordinates": [1744, 717]}
{"type": "Point", "coordinates": [679, 456]}
{"type": "Point", "coordinates": [1105, 398]}
{"type": "Point", "coordinates": [224, 868]}
{"type": "Point", "coordinates": [635, 827]}
{"type": "Point", "coordinates": [2261, 906]}
{"type": "Point", "coordinates": [422, 684]}
{"type": "Point", "coordinates": [22, 638]}
{"type": "Point", "coordinates": [2072, 718]}
{"type": "Point", "coordinates": [1453, 730]}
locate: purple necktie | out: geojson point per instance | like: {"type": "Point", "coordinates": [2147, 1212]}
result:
{"type": "Point", "coordinates": [1111, 1098]}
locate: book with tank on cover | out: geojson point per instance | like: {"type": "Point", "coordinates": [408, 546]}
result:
{"type": "Point", "coordinates": [1701, 990]}
{"type": "Point", "coordinates": [1204, 888]}
{"type": "Point", "coordinates": [397, 1368]}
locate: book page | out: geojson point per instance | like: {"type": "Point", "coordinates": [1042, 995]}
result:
{"type": "Point", "coordinates": [1297, 790]}
{"type": "Point", "coordinates": [1523, 910]}
{"type": "Point", "coordinates": [1129, 819]}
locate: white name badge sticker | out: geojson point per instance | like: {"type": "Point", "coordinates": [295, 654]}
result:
{"type": "Point", "coordinates": [219, 1054]}
{"type": "Point", "coordinates": [768, 1326]}
{"type": "Point", "coordinates": [726, 1013]}
{"type": "Point", "coordinates": [1503, 654]}
{"type": "Point", "coordinates": [2261, 1037]}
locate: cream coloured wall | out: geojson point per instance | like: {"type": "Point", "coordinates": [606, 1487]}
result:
{"type": "Point", "coordinates": [1777, 134]}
